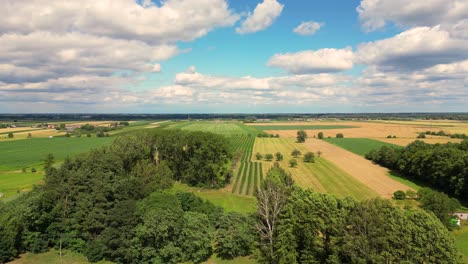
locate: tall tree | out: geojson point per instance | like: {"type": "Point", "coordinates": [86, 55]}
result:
{"type": "Point", "coordinates": [301, 136]}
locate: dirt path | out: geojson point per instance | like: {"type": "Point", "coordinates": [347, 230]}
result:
{"type": "Point", "coordinates": [363, 170]}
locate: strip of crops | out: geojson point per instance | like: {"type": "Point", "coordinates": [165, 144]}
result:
{"type": "Point", "coordinates": [309, 127]}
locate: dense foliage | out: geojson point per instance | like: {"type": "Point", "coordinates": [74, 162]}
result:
{"type": "Point", "coordinates": [302, 226]}
{"type": "Point", "coordinates": [110, 203]}
{"type": "Point", "coordinates": [441, 166]}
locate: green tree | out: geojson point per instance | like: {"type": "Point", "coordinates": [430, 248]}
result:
{"type": "Point", "coordinates": [399, 195]}
{"type": "Point", "coordinates": [234, 236]}
{"type": "Point", "coordinates": [301, 136]}
{"type": "Point", "coordinates": [269, 157]}
{"type": "Point", "coordinates": [339, 135]}
{"type": "Point", "coordinates": [195, 237]}
{"type": "Point", "coordinates": [320, 135]}
{"type": "Point", "coordinates": [258, 156]}
{"type": "Point", "coordinates": [279, 156]}
{"type": "Point", "coordinates": [11, 135]}
{"type": "Point", "coordinates": [309, 157]}
{"type": "Point", "coordinates": [295, 153]}
{"type": "Point", "coordinates": [293, 163]}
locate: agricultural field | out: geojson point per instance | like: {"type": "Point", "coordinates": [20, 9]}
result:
{"type": "Point", "coordinates": [375, 129]}
{"type": "Point", "coordinates": [226, 128]}
{"type": "Point", "coordinates": [406, 141]}
{"type": "Point", "coordinates": [360, 146]}
{"type": "Point", "coordinates": [300, 127]}
{"type": "Point", "coordinates": [321, 176]}
{"type": "Point", "coordinates": [248, 174]}
{"type": "Point", "coordinates": [14, 182]}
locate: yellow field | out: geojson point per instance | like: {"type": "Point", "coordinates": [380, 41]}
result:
{"type": "Point", "coordinates": [377, 130]}
{"type": "Point", "coordinates": [406, 141]}
{"type": "Point", "coordinates": [321, 176]}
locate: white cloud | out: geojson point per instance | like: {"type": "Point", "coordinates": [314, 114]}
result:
{"type": "Point", "coordinates": [174, 20]}
{"type": "Point", "coordinates": [156, 67]}
{"type": "Point", "coordinates": [375, 14]}
{"type": "Point", "coordinates": [308, 28]}
{"type": "Point", "coordinates": [414, 49]}
{"type": "Point", "coordinates": [309, 61]}
{"type": "Point", "coordinates": [263, 16]}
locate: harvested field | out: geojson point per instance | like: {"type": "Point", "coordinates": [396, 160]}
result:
{"type": "Point", "coordinates": [321, 176]}
{"type": "Point", "coordinates": [301, 127]}
{"type": "Point", "coordinates": [361, 129]}
{"type": "Point", "coordinates": [406, 141]}
{"type": "Point", "coordinates": [371, 175]}
{"type": "Point", "coordinates": [38, 133]}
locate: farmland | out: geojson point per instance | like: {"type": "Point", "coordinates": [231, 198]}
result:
{"type": "Point", "coordinates": [360, 146]}
{"type": "Point", "coordinates": [248, 174]}
{"type": "Point", "coordinates": [301, 127]}
{"type": "Point", "coordinates": [321, 176]}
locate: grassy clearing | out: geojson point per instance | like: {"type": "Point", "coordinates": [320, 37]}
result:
{"type": "Point", "coordinates": [461, 240]}
{"type": "Point", "coordinates": [13, 182]}
{"type": "Point", "coordinates": [360, 146]}
{"type": "Point", "coordinates": [30, 152]}
{"type": "Point", "coordinates": [302, 127]}
{"type": "Point", "coordinates": [229, 201]}
{"type": "Point", "coordinates": [322, 176]}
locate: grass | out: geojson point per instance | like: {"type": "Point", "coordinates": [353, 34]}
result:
{"type": "Point", "coordinates": [53, 257]}
{"type": "Point", "coordinates": [13, 181]}
{"type": "Point", "coordinates": [360, 146]}
{"type": "Point", "coordinates": [461, 240]}
{"type": "Point", "coordinates": [229, 201]}
{"type": "Point", "coordinates": [302, 127]}
{"type": "Point", "coordinates": [30, 152]}
{"type": "Point", "coordinates": [322, 176]}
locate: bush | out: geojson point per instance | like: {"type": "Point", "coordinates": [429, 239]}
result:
{"type": "Point", "coordinates": [421, 135]}
{"type": "Point", "coordinates": [10, 135]}
{"type": "Point", "coordinates": [309, 157]}
{"type": "Point", "coordinates": [339, 135]}
{"type": "Point", "coordinates": [399, 195]}
{"type": "Point", "coordinates": [320, 135]}
{"type": "Point", "coordinates": [33, 170]}
{"type": "Point", "coordinates": [259, 156]}
{"type": "Point", "coordinates": [269, 157]}
{"type": "Point", "coordinates": [293, 163]}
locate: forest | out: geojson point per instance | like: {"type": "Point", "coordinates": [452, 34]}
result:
{"type": "Point", "coordinates": [441, 166]}
{"type": "Point", "coordinates": [116, 203]}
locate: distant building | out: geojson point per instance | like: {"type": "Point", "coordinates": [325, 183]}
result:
{"type": "Point", "coordinates": [461, 215]}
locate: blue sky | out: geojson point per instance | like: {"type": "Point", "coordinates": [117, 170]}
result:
{"type": "Point", "coordinates": [179, 56]}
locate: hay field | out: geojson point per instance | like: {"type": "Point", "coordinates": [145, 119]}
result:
{"type": "Point", "coordinates": [369, 174]}
{"type": "Point", "coordinates": [321, 176]}
{"type": "Point", "coordinates": [377, 130]}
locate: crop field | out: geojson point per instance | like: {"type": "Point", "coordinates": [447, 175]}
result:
{"type": "Point", "coordinates": [406, 141]}
{"type": "Point", "coordinates": [371, 175]}
{"type": "Point", "coordinates": [300, 127]}
{"type": "Point", "coordinates": [248, 174]}
{"type": "Point", "coordinates": [26, 153]}
{"type": "Point", "coordinates": [321, 176]}
{"type": "Point", "coordinates": [375, 130]}
{"type": "Point", "coordinates": [360, 146]}
{"type": "Point", "coordinates": [218, 127]}
{"type": "Point", "coordinates": [36, 133]}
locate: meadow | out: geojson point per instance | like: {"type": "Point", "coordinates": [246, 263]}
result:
{"type": "Point", "coordinates": [461, 240]}
{"type": "Point", "coordinates": [360, 146]}
{"type": "Point", "coordinates": [27, 153]}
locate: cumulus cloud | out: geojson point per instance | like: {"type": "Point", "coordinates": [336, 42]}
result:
{"type": "Point", "coordinates": [309, 61]}
{"type": "Point", "coordinates": [156, 67]}
{"type": "Point", "coordinates": [308, 28]}
{"type": "Point", "coordinates": [375, 14]}
{"type": "Point", "coordinates": [263, 16]}
{"type": "Point", "coordinates": [414, 49]}
{"type": "Point", "coordinates": [124, 19]}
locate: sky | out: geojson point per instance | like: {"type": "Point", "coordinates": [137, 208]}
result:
{"type": "Point", "coordinates": [233, 56]}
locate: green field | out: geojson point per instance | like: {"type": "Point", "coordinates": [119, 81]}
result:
{"type": "Point", "coordinates": [218, 127]}
{"type": "Point", "coordinates": [321, 176]}
{"type": "Point", "coordinates": [461, 240]}
{"type": "Point", "coordinates": [229, 201]}
{"type": "Point", "coordinates": [12, 182]}
{"type": "Point", "coordinates": [360, 146]}
{"type": "Point", "coordinates": [302, 127]}
{"type": "Point", "coordinates": [248, 174]}
{"type": "Point", "coordinates": [30, 152]}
